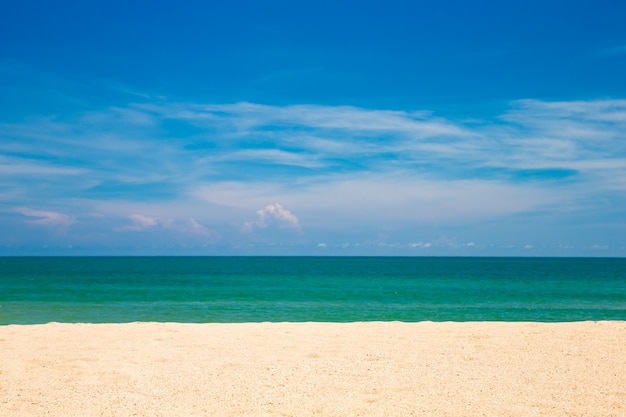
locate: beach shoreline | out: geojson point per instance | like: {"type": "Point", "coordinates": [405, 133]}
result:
{"type": "Point", "coordinates": [314, 369]}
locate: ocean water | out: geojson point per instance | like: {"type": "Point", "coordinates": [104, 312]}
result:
{"type": "Point", "coordinates": [296, 289]}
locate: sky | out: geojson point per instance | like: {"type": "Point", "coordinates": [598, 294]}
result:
{"type": "Point", "coordinates": [394, 128]}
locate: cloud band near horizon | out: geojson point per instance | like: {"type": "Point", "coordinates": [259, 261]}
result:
{"type": "Point", "coordinates": [211, 169]}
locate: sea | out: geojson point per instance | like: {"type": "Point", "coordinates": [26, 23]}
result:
{"type": "Point", "coordinates": [300, 289]}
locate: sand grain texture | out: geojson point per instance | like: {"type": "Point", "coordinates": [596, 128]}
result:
{"type": "Point", "coordinates": [314, 369]}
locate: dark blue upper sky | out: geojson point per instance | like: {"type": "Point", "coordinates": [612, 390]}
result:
{"type": "Point", "coordinates": [265, 103]}
{"type": "Point", "coordinates": [391, 54]}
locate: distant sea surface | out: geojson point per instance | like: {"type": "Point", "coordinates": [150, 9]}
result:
{"type": "Point", "coordinates": [296, 289]}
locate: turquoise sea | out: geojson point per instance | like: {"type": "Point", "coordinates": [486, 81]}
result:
{"type": "Point", "coordinates": [338, 289]}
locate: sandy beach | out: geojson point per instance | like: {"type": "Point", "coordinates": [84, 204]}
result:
{"type": "Point", "coordinates": [314, 369]}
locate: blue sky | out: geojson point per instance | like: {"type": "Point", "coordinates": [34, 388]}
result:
{"type": "Point", "coordinates": [319, 128]}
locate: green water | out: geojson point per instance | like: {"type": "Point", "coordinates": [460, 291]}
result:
{"type": "Point", "coordinates": [243, 289]}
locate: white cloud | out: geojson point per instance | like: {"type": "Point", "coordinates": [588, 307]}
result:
{"type": "Point", "coordinates": [273, 212]}
{"type": "Point", "coordinates": [599, 247]}
{"type": "Point", "coordinates": [46, 218]}
{"type": "Point", "coordinates": [142, 222]}
{"type": "Point", "coordinates": [278, 212]}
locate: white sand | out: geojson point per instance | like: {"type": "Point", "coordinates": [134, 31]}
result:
{"type": "Point", "coordinates": [321, 369]}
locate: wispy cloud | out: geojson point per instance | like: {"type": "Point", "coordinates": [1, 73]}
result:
{"type": "Point", "coordinates": [193, 227]}
{"type": "Point", "coordinates": [140, 222]}
{"type": "Point", "coordinates": [46, 218]}
{"type": "Point", "coordinates": [613, 50]}
{"type": "Point", "coordinates": [192, 169]}
{"type": "Point", "coordinates": [11, 166]}
{"type": "Point", "coordinates": [242, 117]}
{"type": "Point", "coordinates": [139, 147]}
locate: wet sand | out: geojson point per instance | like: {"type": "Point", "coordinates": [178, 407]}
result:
{"type": "Point", "coordinates": [314, 369]}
